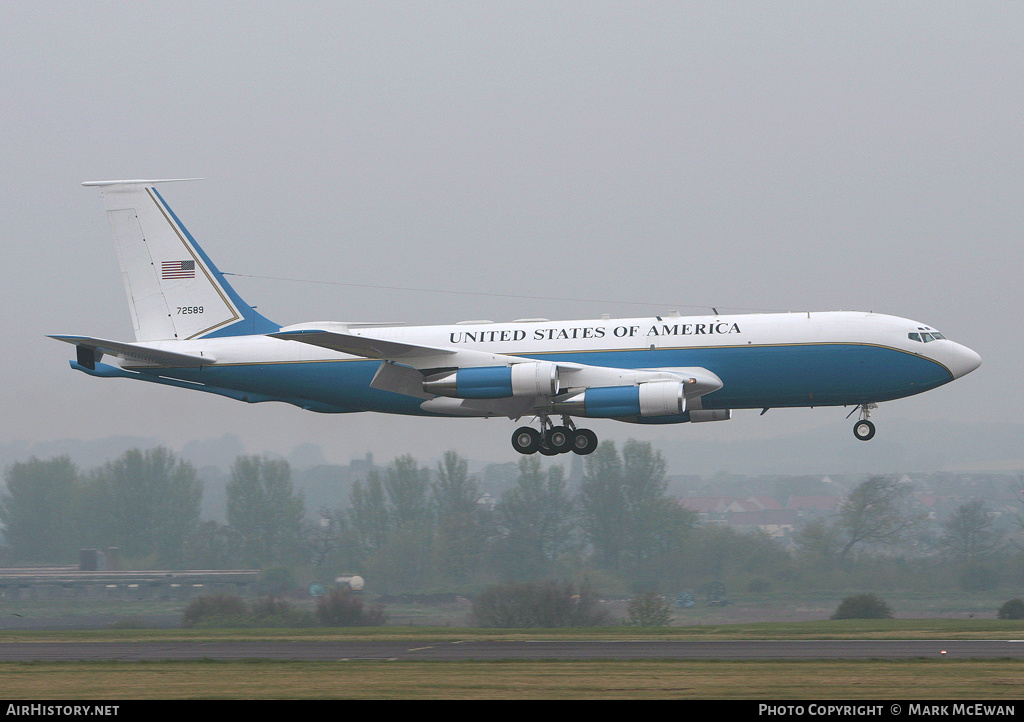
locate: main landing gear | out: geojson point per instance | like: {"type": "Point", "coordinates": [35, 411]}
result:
{"type": "Point", "coordinates": [864, 429]}
{"type": "Point", "coordinates": [552, 440]}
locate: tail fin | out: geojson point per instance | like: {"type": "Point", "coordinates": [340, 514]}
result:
{"type": "Point", "coordinates": [174, 290]}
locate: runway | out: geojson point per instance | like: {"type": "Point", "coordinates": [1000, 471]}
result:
{"type": "Point", "coordinates": [456, 650]}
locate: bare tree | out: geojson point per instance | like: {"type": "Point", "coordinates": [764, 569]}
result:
{"type": "Point", "coordinates": [877, 512]}
{"type": "Point", "coordinates": [818, 544]}
{"type": "Point", "coordinates": [969, 531]}
{"type": "Point", "coordinates": [1018, 513]}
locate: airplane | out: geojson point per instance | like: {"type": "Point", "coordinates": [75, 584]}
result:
{"type": "Point", "coordinates": [193, 331]}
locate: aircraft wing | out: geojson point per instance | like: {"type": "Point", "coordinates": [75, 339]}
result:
{"type": "Point", "coordinates": [137, 352]}
{"type": "Point", "coordinates": [416, 356]}
{"type": "Point", "coordinates": [490, 385]}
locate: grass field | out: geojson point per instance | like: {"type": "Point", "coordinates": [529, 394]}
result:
{"type": "Point", "coordinates": [818, 680]}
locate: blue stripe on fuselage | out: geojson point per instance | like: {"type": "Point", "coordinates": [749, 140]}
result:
{"type": "Point", "coordinates": [791, 375]}
{"type": "Point", "coordinates": [752, 376]}
{"type": "Point", "coordinates": [851, 374]}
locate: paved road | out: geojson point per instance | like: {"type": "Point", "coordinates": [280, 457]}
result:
{"type": "Point", "coordinates": [487, 650]}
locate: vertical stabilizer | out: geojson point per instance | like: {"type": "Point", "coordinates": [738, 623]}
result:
{"type": "Point", "coordinates": [174, 290]}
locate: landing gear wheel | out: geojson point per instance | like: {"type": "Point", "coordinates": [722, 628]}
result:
{"type": "Point", "coordinates": [559, 439]}
{"type": "Point", "coordinates": [526, 440]}
{"type": "Point", "coordinates": [864, 430]}
{"type": "Point", "coordinates": [584, 442]}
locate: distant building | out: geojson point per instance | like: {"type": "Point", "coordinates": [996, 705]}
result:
{"type": "Point", "coordinates": [779, 524]}
{"type": "Point", "coordinates": [809, 506]}
{"type": "Point", "coordinates": [361, 466]}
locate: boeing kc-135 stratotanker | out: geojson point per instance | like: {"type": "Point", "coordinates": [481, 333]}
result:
{"type": "Point", "coordinates": [193, 331]}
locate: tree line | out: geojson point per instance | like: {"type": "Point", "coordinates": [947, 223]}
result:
{"type": "Point", "coordinates": [413, 528]}
{"type": "Point", "coordinates": [408, 527]}
{"type": "Point", "coordinates": [147, 505]}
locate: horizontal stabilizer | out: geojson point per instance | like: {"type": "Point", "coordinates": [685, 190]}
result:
{"type": "Point", "coordinates": [139, 182]}
{"type": "Point", "coordinates": [135, 352]}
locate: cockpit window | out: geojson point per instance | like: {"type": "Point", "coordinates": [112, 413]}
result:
{"type": "Point", "coordinates": [925, 336]}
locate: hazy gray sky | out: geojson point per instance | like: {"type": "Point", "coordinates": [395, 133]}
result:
{"type": "Point", "coordinates": [777, 155]}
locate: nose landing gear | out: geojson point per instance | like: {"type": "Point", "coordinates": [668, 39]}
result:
{"type": "Point", "coordinates": [864, 430]}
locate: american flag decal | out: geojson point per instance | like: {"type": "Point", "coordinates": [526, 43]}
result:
{"type": "Point", "coordinates": [177, 269]}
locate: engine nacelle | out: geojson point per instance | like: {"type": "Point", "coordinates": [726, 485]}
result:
{"type": "Point", "coordinates": [496, 382]}
{"type": "Point", "coordinates": [652, 398]}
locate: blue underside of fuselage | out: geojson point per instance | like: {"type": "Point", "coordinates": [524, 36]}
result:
{"type": "Point", "coordinates": [752, 377]}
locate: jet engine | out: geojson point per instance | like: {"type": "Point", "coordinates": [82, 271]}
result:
{"type": "Point", "coordinates": [651, 398]}
{"type": "Point", "coordinates": [496, 382]}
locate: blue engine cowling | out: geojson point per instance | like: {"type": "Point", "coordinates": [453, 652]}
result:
{"type": "Point", "coordinates": [496, 382]}
{"type": "Point", "coordinates": [653, 398]}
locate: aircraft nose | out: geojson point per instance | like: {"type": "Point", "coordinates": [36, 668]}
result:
{"type": "Point", "coordinates": [964, 361]}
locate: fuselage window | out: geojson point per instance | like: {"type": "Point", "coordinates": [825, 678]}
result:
{"type": "Point", "coordinates": [914, 336]}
